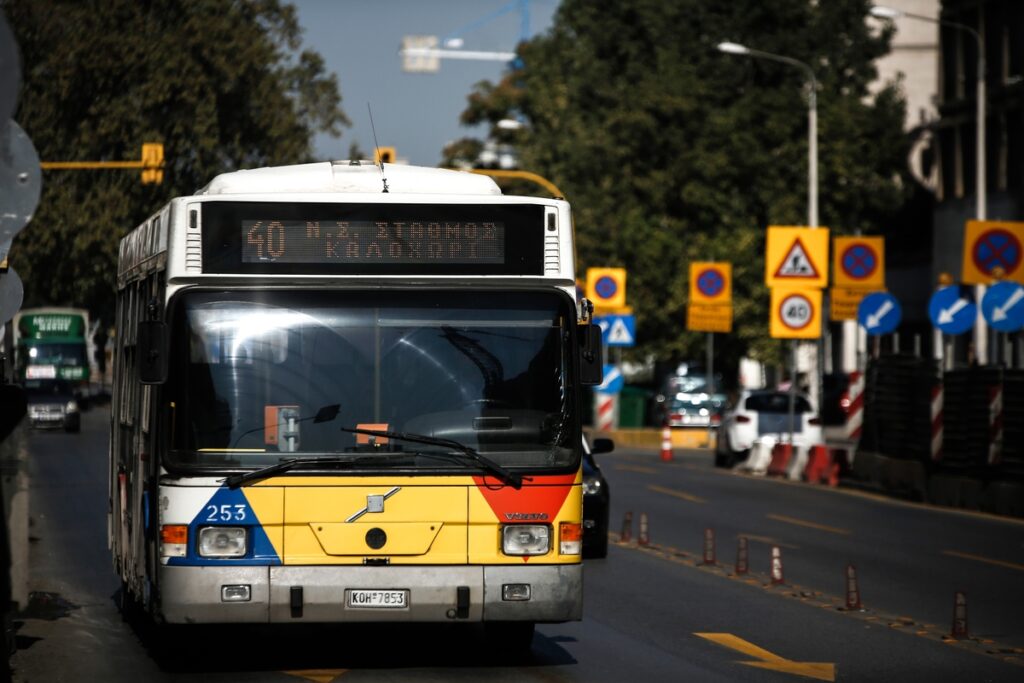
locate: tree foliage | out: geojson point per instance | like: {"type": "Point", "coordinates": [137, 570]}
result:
{"type": "Point", "coordinates": [671, 151]}
{"type": "Point", "coordinates": [222, 84]}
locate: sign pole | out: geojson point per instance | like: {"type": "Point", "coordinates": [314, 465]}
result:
{"type": "Point", "coordinates": [792, 394]}
{"type": "Point", "coordinates": [711, 380]}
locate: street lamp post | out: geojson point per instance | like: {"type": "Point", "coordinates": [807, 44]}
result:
{"type": "Point", "coordinates": [812, 119]}
{"type": "Point", "coordinates": [812, 197]}
{"type": "Point", "coordinates": [981, 189]}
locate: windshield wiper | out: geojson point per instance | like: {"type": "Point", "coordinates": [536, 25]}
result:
{"type": "Point", "coordinates": [236, 480]}
{"type": "Point", "coordinates": [511, 478]}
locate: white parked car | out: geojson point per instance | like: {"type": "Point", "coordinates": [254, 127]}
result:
{"type": "Point", "coordinates": [764, 413]}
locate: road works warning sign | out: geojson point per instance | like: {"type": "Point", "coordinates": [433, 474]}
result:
{"type": "Point", "coordinates": [796, 257]}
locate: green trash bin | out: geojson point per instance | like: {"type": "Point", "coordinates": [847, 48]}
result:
{"type": "Point", "coordinates": [633, 402]}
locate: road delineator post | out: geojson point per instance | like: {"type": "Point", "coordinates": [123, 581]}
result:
{"type": "Point", "coordinates": [643, 538]}
{"type": "Point", "coordinates": [627, 528]}
{"type": "Point", "coordinates": [666, 444]}
{"type": "Point", "coordinates": [776, 573]}
{"type": "Point", "coordinates": [852, 589]}
{"type": "Point", "coordinates": [709, 547]}
{"type": "Point", "coordinates": [960, 615]}
{"type": "Point", "coordinates": [742, 561]}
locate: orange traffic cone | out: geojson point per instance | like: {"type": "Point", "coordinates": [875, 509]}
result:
{"type": "Point", "coordinates": [666, 444]}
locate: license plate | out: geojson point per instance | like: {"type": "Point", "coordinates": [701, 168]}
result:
{"type": "Point", "coordinates": [376, 599]}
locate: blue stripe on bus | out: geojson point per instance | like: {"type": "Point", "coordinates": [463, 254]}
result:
{"type": "Point", "coordinates": [229, 507]}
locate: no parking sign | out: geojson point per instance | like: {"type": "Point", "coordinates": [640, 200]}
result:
{"type": "Point", "coordinates": [859, 262]}
{"type": "Point", "coordinates": [711, 283]}
{"type": "Point", "coordinates": [606, 287]}
{"type": "Point", "coordinates": [993, 250]}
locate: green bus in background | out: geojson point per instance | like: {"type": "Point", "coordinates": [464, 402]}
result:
{"type": "Point", "coordinates": [54, 344]}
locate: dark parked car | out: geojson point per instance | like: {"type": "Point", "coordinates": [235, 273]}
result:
{"type": "Point", "coordinates": [52, 404]}
{"type": "Point", "coordinates": [596, 500]}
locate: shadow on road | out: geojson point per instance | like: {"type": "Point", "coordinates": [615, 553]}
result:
{"type": "Point", "coordinates": [225, 648]}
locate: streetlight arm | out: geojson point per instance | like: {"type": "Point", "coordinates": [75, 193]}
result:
{"type": "Point", "coordinates": [788, 60]}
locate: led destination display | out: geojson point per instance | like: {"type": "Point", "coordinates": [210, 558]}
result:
{"type": "Point", "coordinates": [362, 238]}
{"type": "Point", "coordinates": [373, 242]}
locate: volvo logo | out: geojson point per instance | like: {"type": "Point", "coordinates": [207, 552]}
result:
{"type": "Point", "coordinates": [374, 503]}
{"type": "Point", "coordinates": [526, 516]}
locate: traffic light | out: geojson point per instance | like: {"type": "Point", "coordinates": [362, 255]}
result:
{"type": "Point", "coordinates": [385, 155]}
{"type": "Point", "coordinates": [152, 163]}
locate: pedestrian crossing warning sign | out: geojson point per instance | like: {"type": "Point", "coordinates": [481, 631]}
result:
{"type": "Point", "coordinates": [796, 256]}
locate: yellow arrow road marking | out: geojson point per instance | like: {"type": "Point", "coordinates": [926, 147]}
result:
{"type": "Point", "coordinates": [987, 560]}
{"type": "Point", "coordinates": [317, 675]}
{"type": "Point", "coordinates": [809, 525]}
{"type": "Point", "coordinates": [678, 494]}
{"type": "Point", "coordinates": [817, 670]}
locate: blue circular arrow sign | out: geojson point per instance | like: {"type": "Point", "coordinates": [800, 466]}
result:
{"type": "Point", "coordinates": [1003, 306]}
{"type": "Point", "coordinates": [879, 313]}
{"type": "Point", "coordinates": [952, 309]}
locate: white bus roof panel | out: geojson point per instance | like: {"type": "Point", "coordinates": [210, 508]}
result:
{"type": "Point", "coordinates": [344, 177]}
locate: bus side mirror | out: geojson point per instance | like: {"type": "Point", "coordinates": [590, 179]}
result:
{"type": "Point", "coordinates": [591, 357]}
{"type": "Point", "coordinates": [151, 346]}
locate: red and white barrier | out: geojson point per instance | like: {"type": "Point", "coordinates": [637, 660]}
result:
{"type": "Point", "coordinates": [818, 462]}
{"type": "Point", "coordinates": [604, 411]}
{"type": "Point", "coordinates": [938, 396]}
{"type": "Point", "coordinates": [995, 424]}
{"type": "Point", "coordinates": [855, 406]}
{"type": "Point", "coordinates": [781, 454]}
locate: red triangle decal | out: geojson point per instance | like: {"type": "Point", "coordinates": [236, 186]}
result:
{"type": "Point", "coordinates": [543, 497]}
{"type": "Point", "coordinates": [797, 264]}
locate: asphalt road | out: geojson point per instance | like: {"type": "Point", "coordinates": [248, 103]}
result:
{"type": "Point", "coordinates": [652, 613]}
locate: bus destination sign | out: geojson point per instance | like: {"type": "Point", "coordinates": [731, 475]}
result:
{"type": "Point", "coordinates": [368, 242]}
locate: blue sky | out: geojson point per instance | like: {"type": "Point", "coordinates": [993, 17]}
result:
{"type": "Point", "coordinates": [418, 114]}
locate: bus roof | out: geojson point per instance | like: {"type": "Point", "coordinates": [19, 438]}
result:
{"type": "Point", "coordinates": [355, 177]}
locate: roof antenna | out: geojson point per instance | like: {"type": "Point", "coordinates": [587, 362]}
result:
{"type": "Point", "coordinates": [380, 159]}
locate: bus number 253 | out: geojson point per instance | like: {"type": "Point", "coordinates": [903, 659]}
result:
{"type": "Point", "coordinates": [225, 513]}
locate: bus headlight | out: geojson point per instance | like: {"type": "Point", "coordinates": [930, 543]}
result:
{"type": "Point", "coordinates": [526, 539]}
{"type": "Point", "coordinates": [222, 541]}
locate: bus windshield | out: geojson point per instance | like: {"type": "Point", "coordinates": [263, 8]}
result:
{"type": "Point", "coordinates": [490, 370]}
{"type": "Point", "coordinates": [60, 353]}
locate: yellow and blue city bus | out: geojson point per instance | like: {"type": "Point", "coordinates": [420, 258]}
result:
{"type": "Point", "coordinates": [351, 393]}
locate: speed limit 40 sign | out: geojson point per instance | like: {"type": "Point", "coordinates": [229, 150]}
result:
{"type": "Point", "coordinates": [796, 313]}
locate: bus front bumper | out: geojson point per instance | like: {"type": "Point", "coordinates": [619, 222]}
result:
{"type": "Point", "coordinates": [298, 594]}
